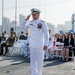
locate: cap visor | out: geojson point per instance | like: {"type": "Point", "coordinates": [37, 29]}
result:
{"type": "Point", "coordinates": [34, 13]}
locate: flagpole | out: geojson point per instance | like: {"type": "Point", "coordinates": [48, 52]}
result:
{"type": "Point", "coordinates": [45, 10]}
{"type": "Point", "coordinates": [2, 13]}
{"type": "Point", "coordinates": [15, 13]}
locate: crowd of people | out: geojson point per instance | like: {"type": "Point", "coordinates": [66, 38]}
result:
{"type": "Point", "coordinates": [8, 41]}
{"type": "Point", "coordinates": [68, 39]}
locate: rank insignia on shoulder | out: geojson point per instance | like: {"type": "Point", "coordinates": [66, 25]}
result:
{"type": "Point", "coordinates": [42, 21]}
{"type": "Point", "coordinates": [39, 25]}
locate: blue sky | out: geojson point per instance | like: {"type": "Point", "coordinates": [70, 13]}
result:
{"type": "Point", "coordinates": [55, 11]}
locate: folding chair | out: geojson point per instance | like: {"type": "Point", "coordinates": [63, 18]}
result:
{"type": "Point", "coordinates": [72, 55]}
{"type": "Point", "coordinates": [16, 49]}
{"type": "Point", "coordinates": [59, 47]}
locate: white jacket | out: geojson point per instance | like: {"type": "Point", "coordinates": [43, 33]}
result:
{"type": "Point", "coordinates": [38, 33]}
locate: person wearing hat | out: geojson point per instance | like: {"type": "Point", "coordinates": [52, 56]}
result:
{"type": "Point", "coordinates": [38, 40]}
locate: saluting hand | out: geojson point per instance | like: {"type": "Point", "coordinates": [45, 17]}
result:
{"type": "Point", "coordinates": [28, 17]}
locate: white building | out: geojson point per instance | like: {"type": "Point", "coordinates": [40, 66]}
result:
{"type": "Point", "coordinates": [6, 25]}
{"type": "Point", "coordinates": [18, 30]}
{"type": "Point", "coordinates": [60, 27]}
{"type": "Point", "coordinates": [68, 25]}
{"type": "Point", "coordinates": [51, 27]}
{"type": "Point", "coordinates": [73, 20]}
{"type": "Point", "coordinates": [21, 19]}
{"type": "Point", "coordinates": [14, 25]}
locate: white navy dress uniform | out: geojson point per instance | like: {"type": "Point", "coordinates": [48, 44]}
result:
{"type": "Point", "coordinates": [25, 48]}
{"type": "Point", "coordinates": [50, 45]}
{"type": "Point", "coordinates": [38, 39]}
{"type": "Point", "coordinates": [51, 41]}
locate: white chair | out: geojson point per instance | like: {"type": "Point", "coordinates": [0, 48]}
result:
{"type": "Point", "coordinates": [17, 47]}
{"type": "Point", "coordinates": [3, 42]}
{"type": "Point", "coordinates": [72, 57]}
{"type": "Point", "coordinates": [59, 47]}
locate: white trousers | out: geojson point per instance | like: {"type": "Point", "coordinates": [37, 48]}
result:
{"type": "Point", "coordinates": [36, 62]}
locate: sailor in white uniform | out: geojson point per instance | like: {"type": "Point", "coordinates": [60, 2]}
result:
{"type": "Point", "coordinates": [26, 49]}
{"type": "Point", "coordinates": [38, 40]}
{"type": "Point", "coordinates": [50, 45]}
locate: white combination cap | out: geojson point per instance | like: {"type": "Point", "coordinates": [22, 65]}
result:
{"type": "Point", "coordinates": [35, 11]}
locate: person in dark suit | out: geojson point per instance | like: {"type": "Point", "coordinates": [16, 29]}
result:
{"type": "Point", "coordinates": [3, 38]}
{"type": "Point", "coordinates": [22, 36]}
{"type": "Point", "coordinates": [9, 43]}
{"type": "Point", "coordinates": [74, 45]}
{"type": "Point", "coordinates": [26, 36]}
{"type": "Point", "coordinates": [68, 44]}
{"type": "Point", "coordinates": [62, 39]}
{"type": "Point", "coordinates": [57, 36]}
{"type": "Point", "coordinates": [16, 37]}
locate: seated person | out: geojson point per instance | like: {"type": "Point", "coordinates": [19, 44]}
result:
{"type": "Point", "coordinates": [5, 34]}
{"type": "Point", "coordinates": [26, 36]}
{"type": "Point", "coordinates": [22, 36]}
{"type": "Point", "coordinates": [16, 37]}
{"type": "Point", "coordinates": [62, 38]}
{"type": "Point", "coordinates": [68, 44]}
{"type": "Point", "coordinates": [26, 50]}
{"type": "Point", "coordinates": [3, 43]}
{"type": "Point", "coordinates": [74, 45]}
{"type": "Point", "coordinates": [50, 45]}
{"type": "Point", "coordinates": [9, 43]}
